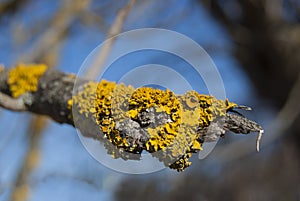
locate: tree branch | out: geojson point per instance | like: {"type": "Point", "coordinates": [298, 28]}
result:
{"type": "Point", "coordinates": [171, 127]}
{"type": "Point", "coordinates": [11, 103]}
{"type": "Point", "coordinates": [114, 30]}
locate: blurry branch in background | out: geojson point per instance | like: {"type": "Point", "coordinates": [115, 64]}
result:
{"type": "Point", "coordinates": [267, 46]}
{"type": "Point", "coordinates": [11, 7]}
{"type": "Point", "coordinates": [56, 30]}
{"type": "Point", "coordinates": [21, 191]}
{"type": "Point", "coordinates": [114, 30]}
{"type": "Point", "coordinates": [92, 19]}
{"type": "Point", "coordinates": [290, 111]}
{"type": "Point", "coordinates": [45, 49]}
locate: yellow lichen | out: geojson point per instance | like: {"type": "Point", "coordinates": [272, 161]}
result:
{"type": "Point", "coordinates": [166, 101]}
{"type": "Point", "coordinates": [85, 99]}
{"type": "Point", "coordinates": [25, 78]}
{"type": "Point", "coordinates": [197, 111]}
{"type": "Point", "coordinates": [110, 103]}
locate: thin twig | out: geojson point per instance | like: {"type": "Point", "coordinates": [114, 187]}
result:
{"type": "Point", "coordinates": [12, 104]}
{"type": "Point", "coordinates": [114, 30]}
{"type": "Point", "coordinates": [285, 118]}
{"type": "Point", "coordinates": [260, 133]}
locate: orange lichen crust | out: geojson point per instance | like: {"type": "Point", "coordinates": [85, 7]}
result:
{"type": "Point", "coordinates": [25, 78]}
{"type": "Point", "coordinates": [172, 141]}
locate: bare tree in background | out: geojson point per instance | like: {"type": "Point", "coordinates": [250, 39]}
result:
{"type": "Point", "coordinates": [267, 44]}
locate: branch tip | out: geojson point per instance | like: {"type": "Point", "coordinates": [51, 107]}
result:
{"type": "Point", "coordinates": [259, 136]}
{"type": "Point", "coordinates": [243, 107]}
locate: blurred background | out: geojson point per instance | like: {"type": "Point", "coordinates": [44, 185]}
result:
{"type": "Point", "coordinates": [255, 45]}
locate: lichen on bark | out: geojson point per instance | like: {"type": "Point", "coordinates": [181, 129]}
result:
{"type": "Point", "coordinates": [128, 121]}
